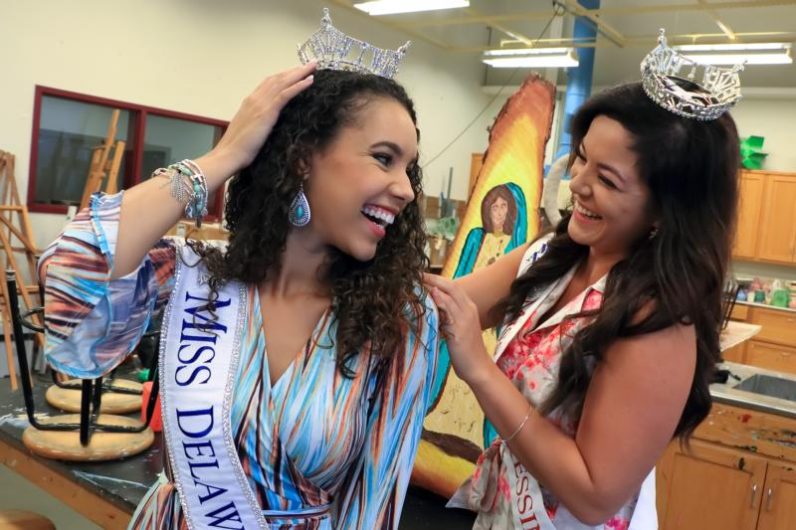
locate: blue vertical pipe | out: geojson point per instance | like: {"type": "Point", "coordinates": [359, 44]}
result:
{"type": "Point", "coordinates": [579, 79]}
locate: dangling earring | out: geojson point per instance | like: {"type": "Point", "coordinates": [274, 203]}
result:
{"type": "Point", "coordinates": [299, 213]}
{"type": "Point", "coordinates": [653, 232]}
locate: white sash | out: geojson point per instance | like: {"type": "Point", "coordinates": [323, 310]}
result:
{"type": "Point", "coordinates": [527, 505]}
{"type": "Point", "coordinates": [529, 513]}
{"type": "Point", "coordinates": [510, 329]}
{"type": "Point", "coordinates": [198, 360]}
{"type": "Point", "coordinates": [645, 514]}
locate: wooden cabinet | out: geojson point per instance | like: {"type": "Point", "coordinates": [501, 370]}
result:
{"type": "Point", "coordinates": [740, 312]}
{"type": "Point", "coordinates": [778, 502]}
{"type": "Point", "coordinates": [771, 356]}
{"type": "Point", "coordinates": [750, 202]}
{"type": "Point", "coordinates": [777, 232]}
{"type": "Point", "coordinates": [709, 488]}
{"type": "Point", "coordinates": [777, 326]}
{"type": "Point", "coordinates": [738, 473]}
{"type": "Point", "coordinates": [736, 354]}
{"type": "Point", "coordinates": [766, 217]}
{"type": "Point", "coordinates": [774, 347]}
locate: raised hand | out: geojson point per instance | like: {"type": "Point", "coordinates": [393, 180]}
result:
{"type": "Point", "coordinates": [460, 325]}
{"type": "Point", "coordinates": [258, 113]}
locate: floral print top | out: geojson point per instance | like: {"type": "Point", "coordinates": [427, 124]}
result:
{"type": "Point", "coordinates": [529, 353]}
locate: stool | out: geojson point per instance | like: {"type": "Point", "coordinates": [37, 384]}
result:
{"type": "Point", "coordinates": [68, 399]}
{"type": "Point", "coordinates": [90, 435]}
{"type": "Point", "coordinates": [103, 446]}
{"type": "Point", "coordinates": [22, 520]}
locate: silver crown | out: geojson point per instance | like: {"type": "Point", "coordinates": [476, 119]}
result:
{"type": "Point", "coordinates": [717, 91]}
{"type": "Point", "coordinates": [334, 50]}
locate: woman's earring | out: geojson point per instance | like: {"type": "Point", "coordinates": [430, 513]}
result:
{"type": "Point", "coordinates": [653, 232]}
{"type": "Point", "coordinates": [299, 213]}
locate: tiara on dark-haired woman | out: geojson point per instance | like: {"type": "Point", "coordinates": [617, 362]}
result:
{"type": "Point", "coordinates": [663, 71]}
{"type": "Point", "coordinates": [334, 50]}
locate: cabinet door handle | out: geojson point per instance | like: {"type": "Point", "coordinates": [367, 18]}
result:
{"type": "Point", "coordinates": [754, 493]}
{"type": "Point", "coordinates": [769, 495]}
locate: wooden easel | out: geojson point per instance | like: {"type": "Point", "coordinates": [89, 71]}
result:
{"type": "Point", "coordinates": [106, 159]}
{"type": "Point", "coordinates": [16, 237]}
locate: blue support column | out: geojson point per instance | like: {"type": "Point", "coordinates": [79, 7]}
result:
{"type": "Point", "coordinates": [579, 80]}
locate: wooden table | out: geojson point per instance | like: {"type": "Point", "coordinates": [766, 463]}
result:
{"type": "Point", "coordinates": [107, 493]}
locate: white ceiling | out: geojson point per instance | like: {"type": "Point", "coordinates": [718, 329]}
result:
{"type": "Point", "coordinates": [626, 30]}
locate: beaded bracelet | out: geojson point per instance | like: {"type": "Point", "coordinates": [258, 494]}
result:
{"type": "Point", "coordinates": [197, 207]}
{"type": "Point", "coordinates": [188, 186]}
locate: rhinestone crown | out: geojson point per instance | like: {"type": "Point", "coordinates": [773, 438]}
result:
{"type": "Point", "coordinates": [334, 50]}
{"type": "Point", "coordinates": [714, 94]}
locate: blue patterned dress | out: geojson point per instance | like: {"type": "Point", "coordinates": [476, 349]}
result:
{"type": "Point", "coordinates": [320, 450]}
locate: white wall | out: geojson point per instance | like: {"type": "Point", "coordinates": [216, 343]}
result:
{"type": "Point", "coordinates": [774, 119]}
{"type": "Point", "coordinates": [748, 269]}
{"type": "Point", "coordinates": [202, 57]}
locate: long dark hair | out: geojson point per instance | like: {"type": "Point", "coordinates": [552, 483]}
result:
{"type": "Point", "coordinates": [503, 192]}
{"type": "Point", "coordinates": [374, 303]}
{"type": "Point", "coordinates": [691, 169]}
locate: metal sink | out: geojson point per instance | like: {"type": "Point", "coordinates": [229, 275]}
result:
{"type": "Point", "coordinates": [767, 385]}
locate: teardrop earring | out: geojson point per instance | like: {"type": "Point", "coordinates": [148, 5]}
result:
{"type": "Point", "coordinates": [299, 214]}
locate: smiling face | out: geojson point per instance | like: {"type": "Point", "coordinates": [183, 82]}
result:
{"type": "Point", "coordinates": [497, 213]}
{"type": "Point", "coordinates": [358, 184]}
{"type": "Point", "coordinates": [611, 200]}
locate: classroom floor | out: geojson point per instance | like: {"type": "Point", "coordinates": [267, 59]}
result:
{"type": "Point", "coordinates": [19, 494]}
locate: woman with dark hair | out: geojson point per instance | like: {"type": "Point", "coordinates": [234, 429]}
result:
{"type": "Point", "coordinates": [612, 323]}
{"type": "Point", "coordinates": [295, 362]}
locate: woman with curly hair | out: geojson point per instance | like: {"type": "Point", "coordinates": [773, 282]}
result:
{"type": "Point", "coordinates": [294, 362]}
{"type": "Point", "coordinates": [611, 323]}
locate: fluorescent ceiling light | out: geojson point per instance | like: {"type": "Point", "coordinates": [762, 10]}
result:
{"type": "Point", "coordinates": [391, 7]}
{"type": "Point", "coordinates": [729, 54]}
{"type": "Point", "coordinates": [731, 59]}
{"type": "Point", "coordinates": [527, 51]}
{"type": "Point", "coordinates": [531, 58]}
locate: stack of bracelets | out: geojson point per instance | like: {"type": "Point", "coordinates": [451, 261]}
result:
{"type": "Point", "coordinates": [188, 186]}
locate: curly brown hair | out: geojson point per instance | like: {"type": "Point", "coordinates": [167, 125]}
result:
{"type": "Point", "coordinates": [375, 303]}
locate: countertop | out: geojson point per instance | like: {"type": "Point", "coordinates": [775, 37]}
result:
{"type": "Point", "coordinates": [766, 306]}
{"type": "Point", "coordinates": [726, 393]}
{"type": "Point", "coordinates": [737, 332]}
